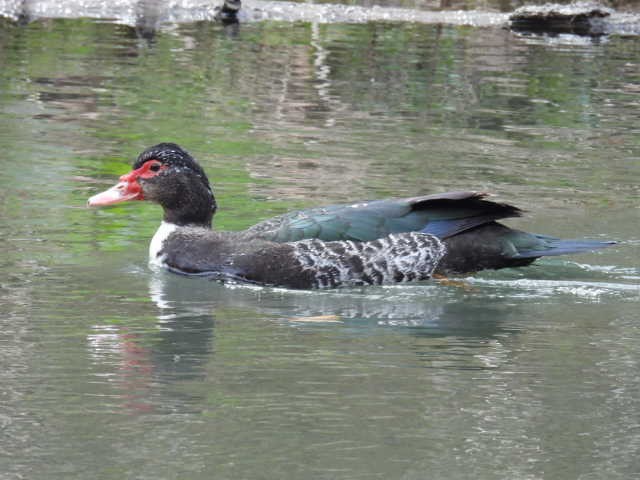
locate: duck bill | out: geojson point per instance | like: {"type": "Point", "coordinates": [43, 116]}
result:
{"type": "Point", "coordinates": [122, 192]}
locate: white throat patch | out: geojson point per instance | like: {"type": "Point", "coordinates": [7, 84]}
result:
{"type": "Point", "coordinates": [157, 242]}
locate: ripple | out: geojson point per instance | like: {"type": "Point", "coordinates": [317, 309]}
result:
{"type": "Point", "coordinates": [548, 288]}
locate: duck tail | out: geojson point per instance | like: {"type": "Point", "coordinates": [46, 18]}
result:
{"type": "Point", "coordinates": [551, 246]}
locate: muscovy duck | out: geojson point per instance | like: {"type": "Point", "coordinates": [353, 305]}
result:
{"type": "Point", "coordinates": [370, 243]}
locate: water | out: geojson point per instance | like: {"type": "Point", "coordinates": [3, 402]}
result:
{"type": "Point", "coordinates": [112, 370]}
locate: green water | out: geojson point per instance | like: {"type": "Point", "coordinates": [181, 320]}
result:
{"type": "Point", "coordinates": [109, 370]}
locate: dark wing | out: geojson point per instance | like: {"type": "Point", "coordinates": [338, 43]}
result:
{"type": "Point", "coordinates": [451, 213]}
{"type": "Point", "coordinates": [443, 215]}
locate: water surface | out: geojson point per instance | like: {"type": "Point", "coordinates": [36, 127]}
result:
{"type": "Point", "coordinates": [112, 370]}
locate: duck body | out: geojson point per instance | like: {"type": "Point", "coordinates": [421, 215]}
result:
{"type": "Point", "coordinates": [368, 243]}
{"type": "Point", "coordinates": [309, 263]}
{"type": "Point", "coordinates": [465, 221]}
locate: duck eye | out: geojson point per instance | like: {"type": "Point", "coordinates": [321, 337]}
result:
{"type": "Point", "coordinates": [155, 167]}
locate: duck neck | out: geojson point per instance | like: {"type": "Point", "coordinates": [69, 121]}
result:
{"type": "Point", "coordinates": [193, 211]}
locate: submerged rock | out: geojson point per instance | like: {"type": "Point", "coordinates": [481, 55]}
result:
{"type": "Point", "coordinates": [581, 18]}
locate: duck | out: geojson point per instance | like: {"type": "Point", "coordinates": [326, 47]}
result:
{"type": "Point", "coordinates": [366, 243]}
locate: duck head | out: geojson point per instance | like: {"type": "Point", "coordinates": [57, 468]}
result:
{"type": "Point", "coordinates": [168, 175]}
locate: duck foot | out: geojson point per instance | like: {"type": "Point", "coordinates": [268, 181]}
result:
{"type": "Point", "coordinates": [444, 280]}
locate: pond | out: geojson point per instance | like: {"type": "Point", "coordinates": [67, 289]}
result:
{"type": "Point", "coordinates": [111, 370]}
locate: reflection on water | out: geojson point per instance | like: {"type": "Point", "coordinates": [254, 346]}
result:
{"type": "Point", "coordinates": [105, 363]}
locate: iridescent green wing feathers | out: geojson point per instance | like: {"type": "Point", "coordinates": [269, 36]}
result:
{"type": "Point", "coordinates": [442, 215]}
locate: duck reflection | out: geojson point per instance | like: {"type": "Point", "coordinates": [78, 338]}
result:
{"type": "Point", "coordinates": [427, 309]}
{"type": "Point", "coordinates": [203, 328]}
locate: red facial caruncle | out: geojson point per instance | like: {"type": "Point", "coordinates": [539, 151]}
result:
{"type": "Point", "coordinates": [128, 187]}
